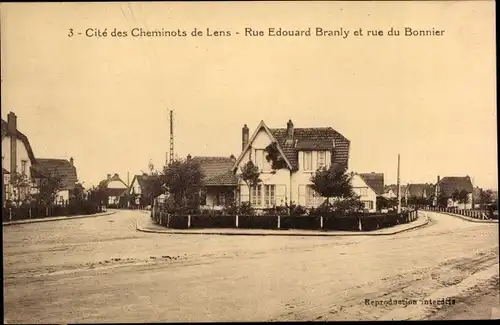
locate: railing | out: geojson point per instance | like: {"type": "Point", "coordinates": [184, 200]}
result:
{"type": "Point", "coordinates": [23, 212]}
{"type": "Point", "coordinates": [475, 214]}
{"type": "Point", "coordinates": [361, 222]}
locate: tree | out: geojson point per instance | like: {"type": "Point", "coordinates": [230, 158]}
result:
{"type": "Point", "coordinates": [183, 181]}
{"type": "Point", "coordinates": [20, 186]}
{"type": "Point", "coordinates": [154, 185]}
{"type": "Point", "coordinates": [49, 185]}
{"type": "Point", "coordinates": [274, 156]}
{"type": "Point", "coordinates": [332, 182]}
{"type": "Point", "coordinates": [97, 195]}
{"type": "Point", "coordinates": [442, 200]}
{"type": "Point", "coordinates": [485, 197]}
{"type": "Point", "coordinates": [78, 193]}
{"type": "Point", "coordinates": [348, 205]}
{"type": "Point", "coordinates": [463, 197]}
{"type": "Point", "coordinates": [250, 174]}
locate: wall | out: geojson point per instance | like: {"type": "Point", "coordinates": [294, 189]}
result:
{"type": "Point", "coordinates": [22, 154]}
{"type": "Point", "coordinates": [456, 204]}
{"type": "Point", "coordinates": [135, 188]}
{"type": "Point", "coordinates": [358, 185]}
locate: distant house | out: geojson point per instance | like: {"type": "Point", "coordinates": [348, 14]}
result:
{"type": "Point", "coordinates": [219, 182]}
{"type": "Point", "coordinates": [114, 188]}
{"type": "Point", "coordinates": [420, 190]}
{"type": "Point", "coordinates": [368, 186]}
{"type": "Point", "coordinates": [17, 157]}
{"type": "Point", "coordinates": [62, 169]}
{"type": "Point", "coordinates": [449, 185]}
{"type": "Point", "coordinates": [390, 192]}
{"type": "Point", "coordinates": [300, 152]}
{"type": "Point", "coordinates": [137, 186]}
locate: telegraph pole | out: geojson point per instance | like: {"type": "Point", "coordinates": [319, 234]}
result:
{"type": "Point", "coordinates": [399, 186]}
{"type": "Point", "coordinates": [171, 136]}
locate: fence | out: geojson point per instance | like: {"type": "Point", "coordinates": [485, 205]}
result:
{"type": "Point", "coordinates": [41, 211]}
{"type": "Point", "coordinates": [476, 214]}
{"type": "Point", "coordinates": [362, 222]}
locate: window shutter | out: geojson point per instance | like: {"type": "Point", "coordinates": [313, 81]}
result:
{"type": "Point", "coordinates": [302, 195]}
{"type": "Point", "coordinates": [244, 193]}
{"type": "Point", "coordinates": [280, 195]}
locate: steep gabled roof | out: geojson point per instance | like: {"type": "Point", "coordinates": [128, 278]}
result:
{"type": "Point", "coordinates": [6, 132]}
{"type": "Point", "coordinates": [375, 181]}
{"type": "Point", "coordinates": [273, 139]}
{"type": "Point", "coordinates": [448, 185]}
{"type": "Point", "coordinates": [217, 170]}
{"type": "Point", "coordinates": [115, 177]}
{"type": "Point", "coordinates": [321, 138]}
{"type": "Point", "coordinates": [49, 167]}
{"type": "Point", "coordinates": [420, 190]}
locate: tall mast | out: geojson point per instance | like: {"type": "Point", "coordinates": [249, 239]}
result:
{"type": "Point", "coordinates": [171, 136]}
{"type": "Point", "coordinates": [399, 186]}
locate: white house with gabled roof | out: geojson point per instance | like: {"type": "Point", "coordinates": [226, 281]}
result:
{"type": "Point", "coordinates": [301, 152]}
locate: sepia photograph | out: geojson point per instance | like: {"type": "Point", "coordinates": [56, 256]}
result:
{"type": "Point", "coordinates": [249, 161]}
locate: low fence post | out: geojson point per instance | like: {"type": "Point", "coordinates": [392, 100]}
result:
{"type": "Point", "coordinates": [321, 222]}
{"type": "Point", "coordinates": [189, 221]}
{"type": "Point", "coordinates": [360, 226]}
{"type": "Point", "coordinates": [10, 214]}
{"type": "Point", "coordinates": [237, 226]}
{"type": "Point", "coordinates": [279, 222]}
{"type": "Point", "coordinates": [30, 212]}
{"type": "Point", "coordinates": [47, 211]}
{"type": "Point", "coordinates": [161, 218]}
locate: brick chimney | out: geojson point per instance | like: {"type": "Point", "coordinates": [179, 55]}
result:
{"type": "Point", "coordinates": [12, 129]}
{"type": "Point", "coordinates": [71, 161]}
{"type": "Point", "coordinates": [189, 157]}
{"type": "Point", "coordinates": [109, 177]}
{"type": "Point", "coordinates": [289, 132]}
{"type": "Point", "coordinates": [245, 136]}
{"type": "Point", "coordinates": [232, 157]}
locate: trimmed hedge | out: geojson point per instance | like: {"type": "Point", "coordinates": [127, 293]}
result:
{"type": "Point", "coordinates": [369, 222]}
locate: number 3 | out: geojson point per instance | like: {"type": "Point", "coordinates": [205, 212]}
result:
{"type": "Point", "coordinates": [70, 32]}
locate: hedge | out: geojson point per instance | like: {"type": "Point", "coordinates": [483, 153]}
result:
{"type": "Point", "coordinates": [41, 211]}
{"type": "Point", "coordinates": [369, 222]}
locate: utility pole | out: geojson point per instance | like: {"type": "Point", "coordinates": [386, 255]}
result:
{"type": "Point", "coordinates": [399, 186]}
{"type": "Point", "coordinates": [171, 136]}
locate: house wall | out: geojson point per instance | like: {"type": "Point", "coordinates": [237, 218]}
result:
{"type": "Point", "coordinates": [135, 187]}
{"type": "Point", "coordinates": [366, 193]}
{"type": "Point", "coordinates": [22, 154]}
{"type": "Point", "coordinates": [456, 204]}
{"type": "Point", "coordinates": [116, 184]}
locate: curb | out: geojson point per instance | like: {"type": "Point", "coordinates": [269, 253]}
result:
{"type": "Point", "coordinates": [466, 218]}
{"type": "Point", "coordinates": [19, 222]}
{"type": "Point", "coordinates": [318, 234]}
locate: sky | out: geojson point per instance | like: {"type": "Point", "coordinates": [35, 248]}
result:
{"type": "Point", "coordinates": [105, 101]}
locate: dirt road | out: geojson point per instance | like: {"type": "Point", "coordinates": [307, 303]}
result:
{"type": "Point", "coordinates": [101, 270]}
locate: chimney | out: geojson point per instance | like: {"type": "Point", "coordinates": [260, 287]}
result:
{"type": "Point", "coordinates": [109, 177]}
{"type": "Point", "coordinates": [438, 179]}
{"type": "Point", "coordinates": [289, 132]}
{"type": "Point", "coordinates": [232, 157]}
{"type": "Point", "coordinates": [244, 137]}
{"type": "Point", "coordinates": [189, 157]}
{"type": "Point", "coordinates": [71, 161]}
{"type": "Point", "coordinates": [12, 128]}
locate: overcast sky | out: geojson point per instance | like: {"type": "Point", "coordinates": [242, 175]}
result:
{"type": "Point", "coordinates": [105, 101]}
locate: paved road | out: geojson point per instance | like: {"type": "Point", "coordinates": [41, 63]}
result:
{"type": "Point", "coordinates": [101, 270]}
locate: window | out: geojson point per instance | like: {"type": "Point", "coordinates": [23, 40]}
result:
{"type": "Point", "coordinates": [312, 198]}
{"type": "Point", "coordinates": [363, 191]}
{"type": "Point", "coordinates": [321, 159]}
{"type": "Point", "coordinates": [24, 163]}
{"type": "Point", "coordinates": [256, 195]}
{"type": "Point", "coordinates": [270, 195]}
{"type": "Point", "coordinates": [368, 204]}
{"type": "Point", "coordinates": [307, 160]}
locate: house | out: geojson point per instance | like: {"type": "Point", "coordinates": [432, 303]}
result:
{"type": "Point", "coordinates": [447, 186]}
{"type": "Point", "coordinates": [219, 182]}
{"type": "Point", "coordinates": [17, 158]}
{"type": "Point", "coordinates": [295, 154]}
{"type": "Point", "coordinates": [419, 190]}
{"type": "Point", "coordinates": [114, 188]}
{"type": "Point", "coordinates": [368, 186]}
{"type": "Point", "coordinates": [65, 170]}
{"type": "Point", "coordinates": [137, 186]}
{"type": "Point", "coordinates": [390, 192]}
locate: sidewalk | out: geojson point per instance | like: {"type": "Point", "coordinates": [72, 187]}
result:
{"type": "Point", "coordinates": [466, 218]}
{"type": "Point", "coordinates": [147, 225]}
{"type": "Point", "coordinates": [18, 222]}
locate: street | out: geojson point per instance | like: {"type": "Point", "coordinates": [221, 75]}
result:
{"type": "Point", "coordinates": [102, 270]}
